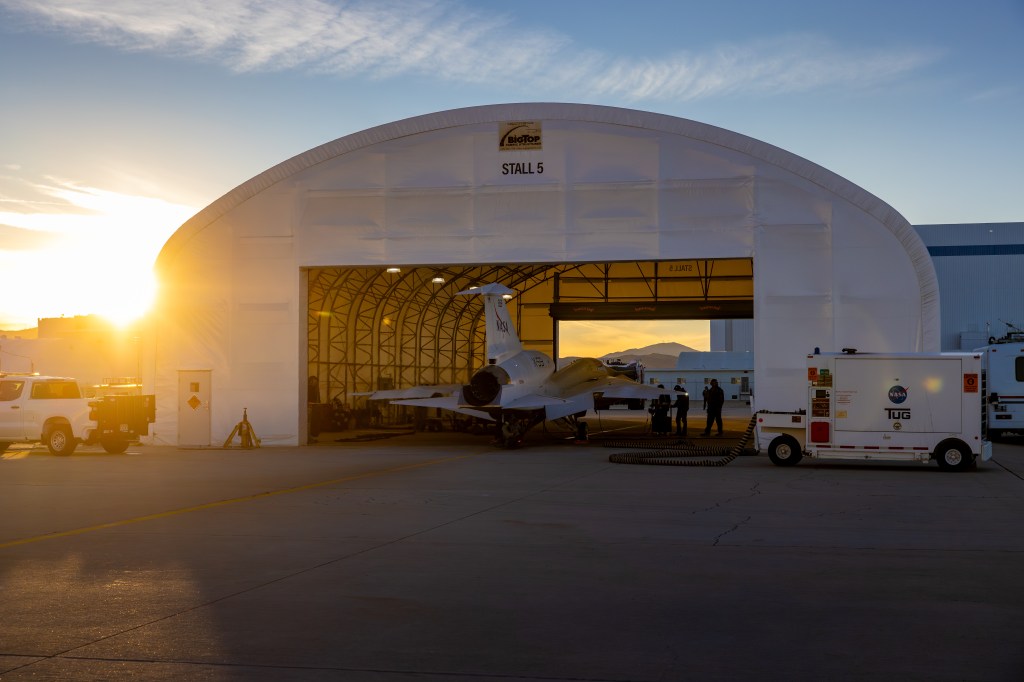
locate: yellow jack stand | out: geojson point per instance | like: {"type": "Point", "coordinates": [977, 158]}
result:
{"type": "Point", "coordinates": [243, 430]}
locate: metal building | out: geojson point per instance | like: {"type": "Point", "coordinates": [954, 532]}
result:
{"type": "Point", "coordinates": [980, 268]}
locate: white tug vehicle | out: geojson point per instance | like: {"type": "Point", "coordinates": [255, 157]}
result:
{"type": "Point", "coordinates": [911, 407]}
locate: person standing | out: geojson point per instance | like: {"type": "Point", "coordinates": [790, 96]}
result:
{"type": "Point", "coordinates": [661, 423]}
{"type": "Point", "coordinates": [705, 408]}
{"type": "Point", "coordinates": [682, 407]}
{"type": "Point", "coordinates": [716, 399]}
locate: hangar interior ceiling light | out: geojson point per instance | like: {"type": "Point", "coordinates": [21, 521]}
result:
{"type": "Point", "coordinates": [394, 271]}
{"type": "Point", "coordinates": [438, 280]}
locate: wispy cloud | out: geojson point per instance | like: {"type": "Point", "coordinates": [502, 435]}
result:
{"type": "Point", "coordinates": [794, 63]}
{"type": "Point", "coordinates": [446, 40]}
{"type": "Point", "coordinates": [995, 94]}
{"type": "Point", "coordinates": [20, 239]}
{"type": "Point", "coordinates": [67, 208]}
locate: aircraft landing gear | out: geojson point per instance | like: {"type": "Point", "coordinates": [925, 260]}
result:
{"type": "Point", "coordinates": [513, 426]}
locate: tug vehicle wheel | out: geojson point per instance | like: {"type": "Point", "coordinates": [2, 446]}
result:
{"type": "Point", "coordinates": [784, 451]}
{"type": "Point", "coordinates": [953, 455]}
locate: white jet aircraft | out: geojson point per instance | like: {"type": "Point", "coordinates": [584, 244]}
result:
{"type": "Point", "coordinates": [518, 388]}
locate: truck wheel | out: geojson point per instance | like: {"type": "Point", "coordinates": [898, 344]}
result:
{"type": "Point", "coordinates": [784, 451]}
{"type": "Point", "coordinates": [114, 446]}
{"type": "Point", "coordinates": [954, 456]}
{"type": "Point", "coordinates": [59, 440]}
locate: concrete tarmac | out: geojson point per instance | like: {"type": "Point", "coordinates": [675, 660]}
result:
{"type": "Point", "coordinates": [435, 557]}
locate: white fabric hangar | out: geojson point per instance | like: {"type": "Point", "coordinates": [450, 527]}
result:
{"type": "Point", "coordinates": [278, 294]}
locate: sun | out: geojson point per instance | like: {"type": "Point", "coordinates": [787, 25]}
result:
{"type": "Point", "coordinates": [124, 306]}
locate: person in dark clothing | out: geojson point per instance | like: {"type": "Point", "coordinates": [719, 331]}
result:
{"type": "Point", "coordinates": [682, 407]}
{"type": "Point", "coordinates": [716, 399]}
{"type": "Point", "coordinates": [705, 408]}
{"type": "Point", "coordinates": [661, 424]}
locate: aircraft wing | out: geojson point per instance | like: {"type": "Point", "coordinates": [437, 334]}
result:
{"type": "Point", "coordinates": [580, 397]}
{"type": "Point", "coordinates": [413, 392]}
{"type": "Point", "coordinates": [450, 402]}
{"type": "Point", "coordinates": [615, 387]}
{"type": "Point", "coordinates": [618, 387]}
{"type": "Point", "coordinates": [534, 401]}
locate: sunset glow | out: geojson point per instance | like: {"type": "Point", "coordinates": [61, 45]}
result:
{"type": "Point", "coordinates": [99, 259]}
{"type": "Point", "coordinates": [598, 338]}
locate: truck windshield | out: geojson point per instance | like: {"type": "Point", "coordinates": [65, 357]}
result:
{"type": "Point", "coordinates": [56, 390]}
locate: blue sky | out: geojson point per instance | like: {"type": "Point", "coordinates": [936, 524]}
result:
{"type": "Point", "coordinates": [121, 118]}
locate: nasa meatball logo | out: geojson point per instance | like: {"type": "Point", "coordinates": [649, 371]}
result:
{"type": "Point", "coordinates": [897, 395]}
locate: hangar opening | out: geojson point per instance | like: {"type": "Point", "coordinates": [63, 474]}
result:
{"type": "Point", "coordinates": [397, 327]}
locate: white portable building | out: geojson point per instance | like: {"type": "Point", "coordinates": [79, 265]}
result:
{"type": "Point", "coordinates": [734, 371]}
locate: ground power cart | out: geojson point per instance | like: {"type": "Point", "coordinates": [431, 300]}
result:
{"type": "Point", "coordinates": [911, 407]}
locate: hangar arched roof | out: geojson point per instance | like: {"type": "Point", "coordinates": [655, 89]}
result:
{"type": "Point", "coordinates": [728, 140]}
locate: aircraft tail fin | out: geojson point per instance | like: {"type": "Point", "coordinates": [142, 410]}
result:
{"type": "Point", "coordinates": [502, 339]}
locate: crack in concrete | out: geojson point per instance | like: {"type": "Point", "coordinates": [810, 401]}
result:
{"type": "Point", "coordinates": [724, 533]}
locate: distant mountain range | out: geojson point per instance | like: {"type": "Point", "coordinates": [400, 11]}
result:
{"type": "Point", "coordinates": [656, 356]}
{"type": "Point", "coordinates": [665, 348]}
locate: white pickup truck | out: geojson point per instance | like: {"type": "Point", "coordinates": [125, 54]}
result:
{"type": "Point", "coordinates": [52, 410]}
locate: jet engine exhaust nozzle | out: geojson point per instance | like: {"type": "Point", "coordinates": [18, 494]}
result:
{"type": "Point", "coordinates": [483, 388]}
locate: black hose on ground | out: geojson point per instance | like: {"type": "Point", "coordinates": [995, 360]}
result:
{"type": "Point", "coordinates": [682, 453]}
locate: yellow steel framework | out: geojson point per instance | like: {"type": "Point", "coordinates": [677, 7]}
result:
{"type": "Point", "coordinates": [371, 328]}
